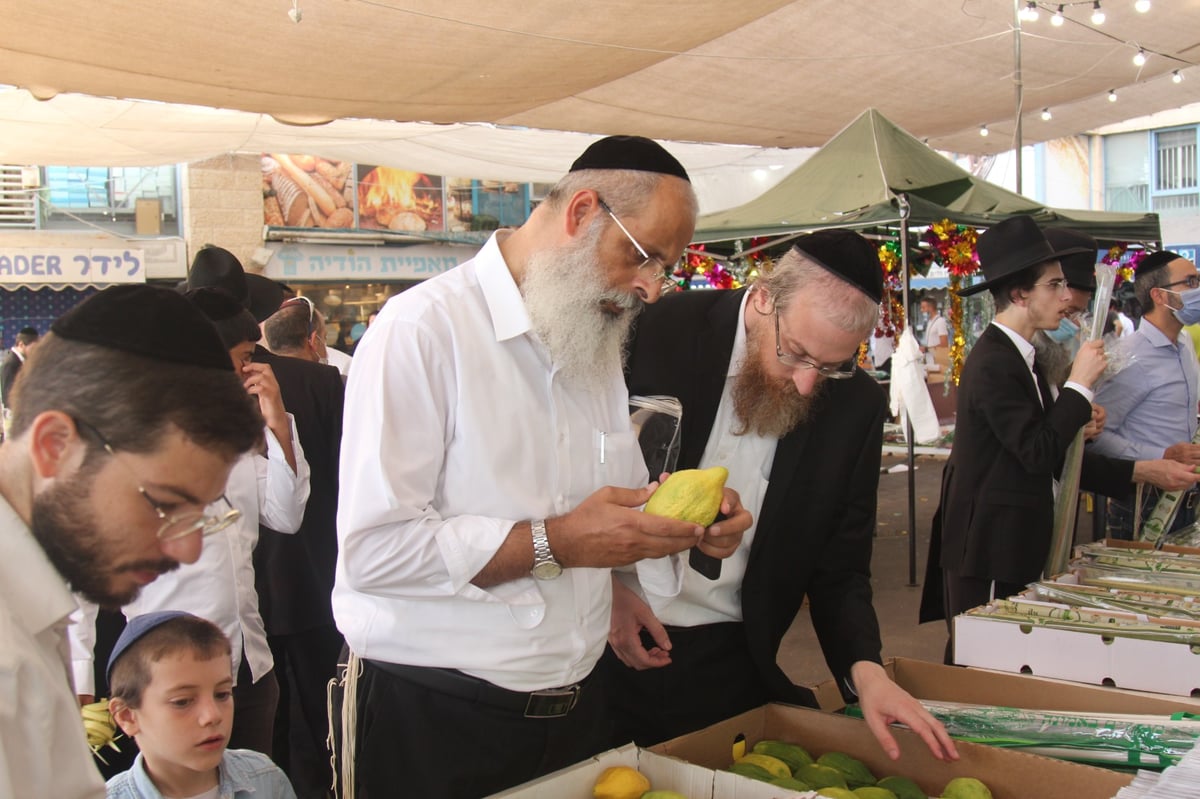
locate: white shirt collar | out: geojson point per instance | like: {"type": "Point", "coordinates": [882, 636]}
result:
{"type": "Point", "coordinates": [738, 356]}
{"type": "Point", "coordinates": [501, 293]}
{"type": "Point", "coordinates": [1025, 348]}
{"type": "Point", "coordinates": [29, 584]}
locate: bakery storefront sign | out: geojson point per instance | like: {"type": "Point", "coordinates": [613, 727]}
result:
{"type": "Point", "coordinates": [70, 266]}
{"type": "Point", "coordinates": [345, 264]}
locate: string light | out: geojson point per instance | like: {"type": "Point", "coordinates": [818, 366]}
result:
{"type": "Point", "coordinates": [1139, 59]}
{"type": "Point", "coordinates": [1112, 95]}
{"type": "Point", "coordinates": [1046, 115]}
{"type": "Point", "coordinates": [983, 131]}
{"type": "Point", "coordinates": [1057, 19]}
{"type": "Point", "coordinates": [1029, 13]}
{"type": "Point", "coordinates": [1097, 14]}
{"type": "Point", "coordinates": [1142, 6]}
{"type": "Point", "coordinates": [1176, 77]}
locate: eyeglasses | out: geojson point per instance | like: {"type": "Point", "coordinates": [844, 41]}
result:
{"type": "Point", "coordinates": [298, 300]}
{"type": "Point", "coordinates": [1058, 284]}
{"type": "Point", "coordinates": [839, 371]}
{"type": "Point", "coordinates": [661, 273]}
{"type": "Point", "coordinates": [174, 525]}
{"type": "Point", "coordinates": [1191, 281]}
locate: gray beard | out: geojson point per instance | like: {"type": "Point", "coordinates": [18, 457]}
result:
{"type": "Point", "coordinates": [765, 405]}
{"type": "Point", "coordinates": [1054, 359]}
{"type": "Point", "coordinates": [565, 294]}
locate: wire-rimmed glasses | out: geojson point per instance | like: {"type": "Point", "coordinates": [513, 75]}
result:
{"type": "Point", "coordinates": [662, 273]}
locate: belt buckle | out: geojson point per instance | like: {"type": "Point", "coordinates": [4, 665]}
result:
{"type": "Point", "coordinates": [552, 702]}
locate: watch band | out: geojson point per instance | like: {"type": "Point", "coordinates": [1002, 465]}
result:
{"type": "Point", "coordinates": [545, 567]}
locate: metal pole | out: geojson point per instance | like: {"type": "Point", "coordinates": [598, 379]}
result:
{"type": "Point", "coordinates": [1017, 84]}
{"type": "Point", "coordinates": [908, 428]}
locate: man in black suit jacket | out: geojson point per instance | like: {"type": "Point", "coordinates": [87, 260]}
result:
{"type": "Point", "coordinates": [25, 339]}
{"type": "Point", "coordinates": [991, 533]}
{"type": "Point", "coordinates": [803, 449]}
{"type": "Point", "coordinates": [294, 573]}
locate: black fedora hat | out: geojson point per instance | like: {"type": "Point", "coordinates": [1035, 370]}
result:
{"type": "Point", "coordinates": [1011, 246]}
{"type": "Point", "coordinates": [1079, 268]}
{"type": "Point", "coordinates": [216, 267]}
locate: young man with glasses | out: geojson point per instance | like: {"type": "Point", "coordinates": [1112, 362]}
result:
{"type": "Point", "coordinates": [1152, 402]}
{"type": "Point", "coordinates": [770, 390]}
{"type": "Point", "coordinates": [491, 479]}
{"type": "Point", "coordinates": [271, 485]}
{"type": "Point", "coordinates": [126, 423]}
{"type": "Point", "coordinates": [991, 533]}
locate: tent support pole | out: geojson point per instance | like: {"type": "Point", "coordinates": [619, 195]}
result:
{"type": "Point", "coordinates": [1019, 87]}
{"type": "Point", "coordinates": [908, 428]}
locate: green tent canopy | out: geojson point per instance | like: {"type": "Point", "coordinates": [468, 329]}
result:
{"type": "Point", "coordinates": [856, 181]}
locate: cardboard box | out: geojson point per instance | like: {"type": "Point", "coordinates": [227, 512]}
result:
{"type": "Point", "coordinates": [575, 782]}
{"type": "Point", "coordinates": [1155, 666]}
{"type": "Point", "coordinates": [147, 217]}
{"type": "Point", "coordinates": [936, 682]}
{"type": "Point", "coordinates": [1009, 774]}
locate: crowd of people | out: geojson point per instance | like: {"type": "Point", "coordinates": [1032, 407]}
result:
{"type": "Point", "coordinates": [452, 540]}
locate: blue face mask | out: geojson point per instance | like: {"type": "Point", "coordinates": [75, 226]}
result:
{"type": "Point", "coordinates": [1065, 331]}
{"type": "Point", "coordinates": [1189, 314]}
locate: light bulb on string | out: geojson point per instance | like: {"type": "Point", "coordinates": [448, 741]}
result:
{"type": "Point", "coordinates": [1029, 13]}
{"type": "Point", "coordinates": [1057, 19]}
{"type": "Point", "coordinates": [1097, 14]}
{"type": "Point", "coordinates": [1046, 115]}
{"type": "Point", "coordinates": [1112, 95]}
{"type": "Point", "coordinates": [983, 131]}
{"type": "Point", "coordinates": [1139, 58]}
{"type": "Point", "coordinates": [1142, 6]}
{"type": "Point", "coordinates": [1176, 77]}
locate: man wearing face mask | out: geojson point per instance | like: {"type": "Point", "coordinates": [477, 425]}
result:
{"type": "Point", "coordinates": [1056, 349]}
{"type": "Point", "coordinates": [1151, 403]}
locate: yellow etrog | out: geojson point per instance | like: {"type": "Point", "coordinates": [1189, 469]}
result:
{"type": "Point", "coordinates": [690, 495]}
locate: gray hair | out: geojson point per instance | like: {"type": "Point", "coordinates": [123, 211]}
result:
{"type": "Point", "coordinates": [627, 191]}
{"type": "Point", "coordinates": [842, 303]}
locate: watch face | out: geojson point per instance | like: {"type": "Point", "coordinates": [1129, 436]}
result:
{"type": "Point", "coordinates": [547, 570]}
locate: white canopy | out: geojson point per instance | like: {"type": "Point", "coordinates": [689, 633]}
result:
{"type": "Point", "coordinates": [769, 73]}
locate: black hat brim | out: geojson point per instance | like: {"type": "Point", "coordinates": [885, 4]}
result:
{"type": "Point", "coordinates": [1019, 267]}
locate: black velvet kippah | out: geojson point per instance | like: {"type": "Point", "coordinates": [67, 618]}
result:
{"type": "Point", "coordinates": [847, 255]}
{"type": "Point", "coordinates": [147, 321]}
{"type": "Point", "coordinates": [630, 152]}
{"type": "Point", "coordinates": [1155, 261]}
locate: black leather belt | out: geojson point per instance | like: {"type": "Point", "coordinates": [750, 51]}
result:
{"type": "Point", "coordinates": [544, 704]}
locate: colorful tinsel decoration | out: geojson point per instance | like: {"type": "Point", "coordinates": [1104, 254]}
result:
{"type": "Point", "coordinates": [889, 259]}
{"type": "Point", "coordinates": [954, 247]}
{"type": "Point", "coordinates": [738, 272]}
{"type": "Point", "coordinates": [1127, 271]}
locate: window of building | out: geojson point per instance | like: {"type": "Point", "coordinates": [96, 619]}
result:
{"type": "Point", "coordinates": [1175, 189]}
{"type": "Point", "coordinates": [121, 200]}
{"type": "Point", "coordinates": [1127, 172]}
{"type": "Point", "coordinates": [18, 200]}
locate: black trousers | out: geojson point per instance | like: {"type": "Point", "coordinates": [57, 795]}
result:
{"type": "Point", "coordinates": [254, 711]}
{"type": "Point", "coordinates": [963, 593]}
{"type": "Point", "coordinates": [416, 742]}
{"type": "Point", "coordinates": [305, 662]}
{"type": "Point", "coordinates": [711, 677]}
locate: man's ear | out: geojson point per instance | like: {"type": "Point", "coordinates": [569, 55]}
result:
{"type": "Point", "coordinates": [54, 444]}
{"type": "Point", "coordinates": [583, 205]}
{"type": "Point", "coordinates": [124, 716]}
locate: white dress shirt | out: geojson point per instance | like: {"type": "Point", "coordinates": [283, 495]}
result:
{"type": "Point", "coordinates": [339, 359]}
{"type": "Point", "coordinates": [458, 426]}
{"type": "Point", "coordinates": [748, 458]}
{"type": "Point", "coordinates": [1027, 352]}
{"type": "Point", "coordinates": [220, 585]}
{"type": "Point", "coordinates": [43, 749]}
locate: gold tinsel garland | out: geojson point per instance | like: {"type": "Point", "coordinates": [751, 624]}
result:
{"type": "Point", "coordinates": [958, 341]}
{"type": "Point", "coordinates": [954, 247]}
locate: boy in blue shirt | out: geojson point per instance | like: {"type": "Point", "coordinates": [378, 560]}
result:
{"type": "Point", "coordinates": [172, 692]}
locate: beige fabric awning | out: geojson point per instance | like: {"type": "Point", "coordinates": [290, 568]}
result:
{"type": "Point", "coordinates": [759, 72]}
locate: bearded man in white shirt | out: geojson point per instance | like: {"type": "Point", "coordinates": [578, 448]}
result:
{"type": "Point", "coordinates": [490, 479]}
{"type": "Point", "coordinates": [127, 421]}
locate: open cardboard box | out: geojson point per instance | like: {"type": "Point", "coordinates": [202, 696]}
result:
{"type": "Point", "coordinates": [575, 782]}
{"type": "Point", "coordinates": [1089, 657]}
{"type": "Point", "coordinates": [936, 682]}
{"type": "Point", "coordinates": [1009, 774]}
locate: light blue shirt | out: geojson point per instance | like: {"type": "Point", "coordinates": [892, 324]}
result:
{"type": "Point", "coordinates": [1151, 403]}
{"type": "Point", "coordinates": [243, 774]}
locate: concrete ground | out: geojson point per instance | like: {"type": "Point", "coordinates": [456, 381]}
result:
{"type": "Point", "coordinates": [896, 601]}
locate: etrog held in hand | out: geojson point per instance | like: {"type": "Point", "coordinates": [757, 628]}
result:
{"type": "Point", "coordinates": [690, 495]}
